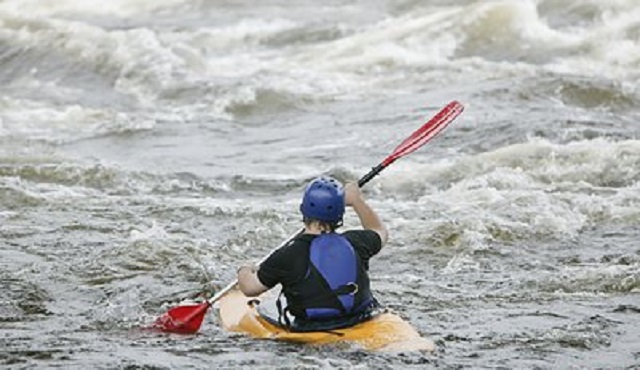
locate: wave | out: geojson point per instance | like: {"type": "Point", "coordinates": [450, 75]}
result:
{"type": "Point", "coordinates": [590, 164]}
{"type": "Point", "coordinates": [33, 181]}
{"type": "Point", "coordinates": [34, 120]}
{"type": "Point", "coordinates": [594, 279]}
{"type": "Point", "coordinates": [61, 56]}
{"type": "Point", "coordinates": [535, 191]}
{"type": "Point", "coordinates": [121, 8]}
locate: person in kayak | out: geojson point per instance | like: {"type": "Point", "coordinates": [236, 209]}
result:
{"type": "Point", "coordinates": [323, 273]}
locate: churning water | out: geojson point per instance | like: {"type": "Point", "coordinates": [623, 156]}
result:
{"type": "Point", "coordinates": [149, 147]}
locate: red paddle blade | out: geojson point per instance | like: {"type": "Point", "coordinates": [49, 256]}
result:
{"type": "Point", "coordinates": [425, 133]}
{"type": "Point", "coordinates": [182, 319]}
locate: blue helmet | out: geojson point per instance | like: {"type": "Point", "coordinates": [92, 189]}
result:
{"type": "Point", "coordinates": [323, 200]}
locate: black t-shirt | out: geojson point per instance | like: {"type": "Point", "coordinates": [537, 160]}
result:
{"type": "Point", "coordinates": [289, 264]}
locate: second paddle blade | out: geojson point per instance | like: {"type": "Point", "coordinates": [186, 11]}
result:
{"type": "Point", "coordinates": [182, 319]}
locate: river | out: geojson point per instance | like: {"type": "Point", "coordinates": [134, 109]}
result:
{"type": "Point", "coordinates": [149, 147]}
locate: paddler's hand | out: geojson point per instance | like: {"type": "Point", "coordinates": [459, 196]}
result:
{"type": "Point", "coordinates": [252, 268]}
{"type": "Point", "coordinates": [248, 281]}
{"type": "Point", "coordinates": [352, 194]}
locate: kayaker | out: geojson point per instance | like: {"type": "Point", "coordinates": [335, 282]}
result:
{"type": "Point", "coordinates": [323, 273]}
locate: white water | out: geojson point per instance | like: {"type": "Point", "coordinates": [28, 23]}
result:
{"type": "Point", "coordinates": [147, 148]}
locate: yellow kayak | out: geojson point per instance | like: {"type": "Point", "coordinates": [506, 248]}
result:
{"type": "Point", "coordinates": [384, 332]}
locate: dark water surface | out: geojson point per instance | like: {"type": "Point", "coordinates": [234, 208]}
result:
{"type": "Point", "coordinates": [148, 148]}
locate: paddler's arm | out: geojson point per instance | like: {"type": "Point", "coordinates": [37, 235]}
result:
{"type": "Point", "coordinates": [248, 281]}
{"type": "Point", "coordinates": [368, 217]}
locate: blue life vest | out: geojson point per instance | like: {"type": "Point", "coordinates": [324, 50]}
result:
{"type": "Point", "coordinates": [335, 286]}
{"type": "Point", "coordinates": [333, 257]}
